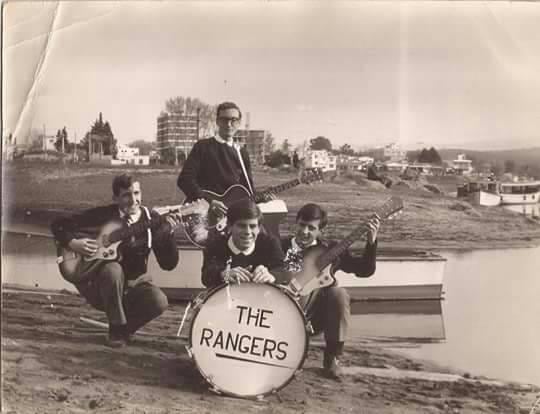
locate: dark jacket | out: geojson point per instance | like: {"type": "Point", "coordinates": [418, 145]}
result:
{"type": "Point", "coordinates": [267, 253]}
{"type": "Point", "coordinates": [213, 166]}
{"type": "Point", "coordinates": [361, 266]}
{"type": "Point", "coordinates": [134, 253]}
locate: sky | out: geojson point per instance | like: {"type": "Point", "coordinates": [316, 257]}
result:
{"type": "Point", "coordinates": [443, 74]}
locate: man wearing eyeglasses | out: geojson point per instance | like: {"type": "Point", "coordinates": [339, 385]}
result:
{"type": "Point", "coordinates": [214, 164]}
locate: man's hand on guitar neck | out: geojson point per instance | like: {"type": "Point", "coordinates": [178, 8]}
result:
{"type": "Point", "coordinates": [86, 247]}
{"type": "Point", "coordinates": [373, 228]}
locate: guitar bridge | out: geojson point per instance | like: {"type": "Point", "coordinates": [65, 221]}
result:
{"type": "Point", "coordinates": [294, 286]}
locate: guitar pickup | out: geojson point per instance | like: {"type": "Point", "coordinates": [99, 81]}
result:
{"type": "Point", "coordinates": [295, 286]}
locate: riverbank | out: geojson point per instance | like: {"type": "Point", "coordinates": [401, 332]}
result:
{"type": "Point", "coordinates": [53, 362]}
{"type": "Point", "coordinates": [36, 192]}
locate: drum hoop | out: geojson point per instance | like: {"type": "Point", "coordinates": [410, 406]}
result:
{"type": "Point", "coordinates": [213, 291]}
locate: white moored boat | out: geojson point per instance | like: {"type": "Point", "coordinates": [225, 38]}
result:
{"type": "Point", "coordinates": [521, 192]}
{"type": "Point", "coordinates": [481, 193]}
{"type": "Point", "coordinates": [399, 275]}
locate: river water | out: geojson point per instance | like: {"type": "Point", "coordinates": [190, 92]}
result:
{"type": "Point", "coordinates": [487, 324]}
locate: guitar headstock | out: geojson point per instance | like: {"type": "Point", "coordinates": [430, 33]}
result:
{"type": "Point", "coordinates": [391, 208]}
{"type": "Point", "coordinates": [310, 176]}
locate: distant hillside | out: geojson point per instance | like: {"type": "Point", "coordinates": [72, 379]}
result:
{"type": "Point", "coordinates": [528, 156]}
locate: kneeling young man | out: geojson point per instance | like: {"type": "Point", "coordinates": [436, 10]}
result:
{"type": "Point", "coordinates": [246, 253]}
{"type": "Point", "coordinates": [328, 309]}
{"type": "Point", "coordinates": [121, 288]}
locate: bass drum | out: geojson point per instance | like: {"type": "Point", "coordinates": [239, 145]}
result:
{"type": "Point", "coordinates": [248, 340]}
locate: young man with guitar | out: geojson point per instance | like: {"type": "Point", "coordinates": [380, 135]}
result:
{"type": "Point", "coordinates": [245, 254]}
{"type": "Point", "coordinates": [121, 288]}
{"type": "Point", "coordinates": [328, 308]}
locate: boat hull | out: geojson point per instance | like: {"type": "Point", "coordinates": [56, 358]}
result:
{"type": "Point", "coordinates": [399, 274]}
{"type": "Point", "coordinates": [404, 276]}
{"type": "Point", "coordinates": [484, 198]}
{"type": "Point", "coordinates": [530, 198]}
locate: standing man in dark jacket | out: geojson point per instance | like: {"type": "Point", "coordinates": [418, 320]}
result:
{"type": "Point", "coordinates": [122, 289]}
{"type": "Point", "coordinates": [216, 163]}
{"type": "Point", "coordinates": [328, 308]}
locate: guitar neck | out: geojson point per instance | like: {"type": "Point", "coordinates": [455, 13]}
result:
{"type": "Point", "coordinates": [332, 254]}
{"type": "Point", "coordinates": [136, 229]}
{"type": "Point", "coordinates": [259, 197]}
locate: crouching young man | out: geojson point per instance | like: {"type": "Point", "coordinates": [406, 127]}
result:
{"type": "Point", "coordinates": [122, 288]}
{"type": "Point", "coordinates": [245, 253]}
{"type": "Point", "coordinates": [328, 309]}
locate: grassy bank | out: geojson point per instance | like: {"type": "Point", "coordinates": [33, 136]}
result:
{"type": "Point", "coordinates": [429, 221]}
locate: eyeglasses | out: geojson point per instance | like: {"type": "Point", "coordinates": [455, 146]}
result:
{"type": "Point", "coordinates": [225, 120]}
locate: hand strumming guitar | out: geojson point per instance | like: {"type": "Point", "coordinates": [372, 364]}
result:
{"type": "Point", "coordinates": [218, 208]}
{"type": "Point", "coordinates": [86, 246]}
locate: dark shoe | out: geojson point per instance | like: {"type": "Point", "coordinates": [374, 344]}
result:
{"type": "Point", "coordinates": [332, 367]}
{"type": "Point", "coordinates": [118, 336]}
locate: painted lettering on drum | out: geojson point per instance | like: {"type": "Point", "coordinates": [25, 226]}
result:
{"type": "Point", "coordinates": [259, 317]}
{"type": "Point", "coordinates": [244, 344]}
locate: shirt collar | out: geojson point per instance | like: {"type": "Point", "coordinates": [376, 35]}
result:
{"type": "Point", "coordinates": [224, 141]}
{"type": "Point", "coordinates": [296, 246]}
{"type": "Point", "coordinates": [133, 218]}
{"type": "Point", "coordinates": [237, 251]}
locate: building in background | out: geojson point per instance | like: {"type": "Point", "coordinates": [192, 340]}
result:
{"type": "Point", "coordinates": [253, 139]}
{"type": "Point", "coordinates": [393, 152]}
{"type": "Point", "coordinates": [178, 131]}
{"type": "Point", "coordinates": [462, 165]}
{"type": "Point", "coordinates": [320, 159]}
{"type": "Point", "coordinates": [129, 155]}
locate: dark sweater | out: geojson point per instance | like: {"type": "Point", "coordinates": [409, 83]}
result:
{"type": "Point", "coordinates": [361, 266]}
{"type": "Point", "coordinates": [134, 253]}
{"type": "Point", "coordinates": [213, 166]}
{"type": "Point", "coordinates": [267, 253]}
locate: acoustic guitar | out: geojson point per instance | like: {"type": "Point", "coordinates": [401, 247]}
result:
{"type": "Point", "coordinates": [313, 270]}
{"type": "Point", "coordinates": [200, 232]}
{"type": "Point", "coordinates": [76, 268]}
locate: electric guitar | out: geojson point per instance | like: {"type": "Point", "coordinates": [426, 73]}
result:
{"type": "Point", "coordinates": [76, 268]}
{"type": "Point", "coordinates": [201, 232]}
{"type": "Point", "coordinates": [313, 270]}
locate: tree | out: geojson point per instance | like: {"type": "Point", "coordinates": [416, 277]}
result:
{"type": "Point", "coordinates": [189, 106]}
{"type": "Point", "coordinates": [277, 158]}
{"type": "Point", "coordinates": [509, 166]}
{"type": "Point", "coordinates": [101, 138]}
{"type": "Point", "coordinates": [320, 143]}
{"type": "Point", "coordinates": [286, 147]}
{"type": "Point", "coordinates": [269, 145]}
{"type": "Point", "coordinates": [346, 149]}
{"type": "Point", "coordinates": [61, 144]}
{"type": "Point", "coordinates": [168, 155]}
{"type": "Point", "coordinates": [430, 156]}
{"type": "Point", "coordinates": [144, 146]}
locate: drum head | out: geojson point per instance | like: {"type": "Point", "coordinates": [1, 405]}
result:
{"type": "Point", "coordinates": [248, 340]}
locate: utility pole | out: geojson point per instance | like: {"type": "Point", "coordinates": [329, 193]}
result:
{"type": "Point", "coordinates": [74, 145]}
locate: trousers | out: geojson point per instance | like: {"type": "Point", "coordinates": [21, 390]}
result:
{"type": "Point", "coordinates": [133, 303]}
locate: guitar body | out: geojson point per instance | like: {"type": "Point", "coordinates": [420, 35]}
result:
{"type": "Point", "coordinates": [202, 229]}
{"type": "Point", "coordinates": [310, 277]}
{"type": "Point", "coordinates": [76, 268]}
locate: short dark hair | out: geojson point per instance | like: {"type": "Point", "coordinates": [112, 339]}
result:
{"type": "Point", "coordinates": [243, 210]}
{"type": "Point", "coordinates": [123, 181]}
{"type": "Point", "coordinates": [228, 105]}
{"type": "Point", "coordinates": [312, 211]}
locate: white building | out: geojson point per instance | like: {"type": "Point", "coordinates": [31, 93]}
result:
{"type": "Point", "coordinates": [48, 143]}
{"type": "Point", "coordinates": [394, 152]}
{"type": "Point", "coordinates": [320, 159]}
{"type": "Point", "coordinates": [130, 155]}
{"type": "Point", "coordinates": [462, 165]}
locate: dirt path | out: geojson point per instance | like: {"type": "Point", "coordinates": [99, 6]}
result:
{"type": "Point", "coordinates": [52, 362]}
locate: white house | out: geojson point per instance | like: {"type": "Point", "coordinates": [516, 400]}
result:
{"type": "Point", "coordinates": [320, 159]}
{"type": "Point", "coordinates": [394, 152]}
{"type": "Point", "coordinates": [462, 165]}
{"type": "Point", "coordinates": [130, 155]}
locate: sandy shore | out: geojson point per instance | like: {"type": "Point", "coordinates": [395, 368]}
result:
{"type": "Point", "coordinates": [53, 362]}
